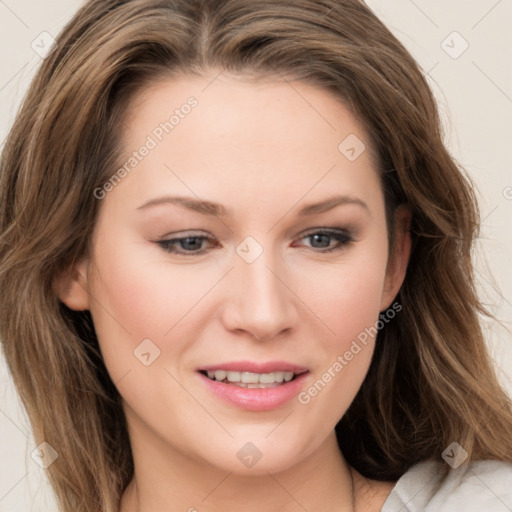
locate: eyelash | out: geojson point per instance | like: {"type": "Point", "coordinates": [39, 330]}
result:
{"type": "Point", "coordinates": [343, 236]}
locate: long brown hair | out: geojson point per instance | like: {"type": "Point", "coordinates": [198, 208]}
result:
{"type": "Point", "coordinates": [431, 380]}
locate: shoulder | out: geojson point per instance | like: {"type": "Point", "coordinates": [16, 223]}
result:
{"type": "Point", "coordinates": [477, 486]}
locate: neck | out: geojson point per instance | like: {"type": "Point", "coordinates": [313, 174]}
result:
{"type": "Point", "coordinates": [165, 479]}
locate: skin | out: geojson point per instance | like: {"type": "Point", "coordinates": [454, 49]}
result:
{"type": "Point", "coordinates": [263, 149]}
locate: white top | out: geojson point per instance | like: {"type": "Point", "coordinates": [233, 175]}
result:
{"type": "Point", "coordinates": [480, 486]}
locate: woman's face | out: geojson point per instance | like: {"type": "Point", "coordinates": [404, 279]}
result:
{"type": "Point", "coordinates": [281, 273]}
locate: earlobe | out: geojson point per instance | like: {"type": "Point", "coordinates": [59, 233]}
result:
{"type": "Point", "coordinates": [71, 287]}
{"type": "Point", "coordinates": [399, 258]}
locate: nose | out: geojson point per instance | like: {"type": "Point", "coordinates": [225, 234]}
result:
{"type": "Point", "coordinates": [261, 302]}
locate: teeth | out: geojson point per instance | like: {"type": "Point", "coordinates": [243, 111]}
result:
{"type": "Point", "coordinates": [251, 380]}
{"type": "Point", "coordinates": [220, 375]}
{"type": "Point", "coordinates": [232, 376]}
{"type": "Point", "coordinates": [268, 378]}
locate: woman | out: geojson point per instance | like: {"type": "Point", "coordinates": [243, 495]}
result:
{"type": "Point", "coordinates": [235, 257]}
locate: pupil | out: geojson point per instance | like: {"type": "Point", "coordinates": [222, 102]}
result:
{"type": "Point", "coordinates": [325, 237]}
{"type": "Point", "coordinates": [188, 243]}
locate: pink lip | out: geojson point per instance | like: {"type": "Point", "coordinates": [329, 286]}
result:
{"type": "Point", "coordinates": [256, 399]}
{"type": "Point", "coordinates": [253, 367]}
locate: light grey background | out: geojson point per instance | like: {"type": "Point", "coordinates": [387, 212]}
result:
{"type": "Point", "coordinates": [474, 91]}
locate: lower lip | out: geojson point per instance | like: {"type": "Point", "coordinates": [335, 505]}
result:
{"type": "Point", "coordinates": [256, 399]}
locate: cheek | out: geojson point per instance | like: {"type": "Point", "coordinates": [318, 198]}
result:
{"type": "Point", "coordinates": [350, 308]}
{"type": "Point", "coordinates": [346, 296]}
{"type": "Point", "coordinates": [143, 296]}
{"type": "Point", "coordinates": [148, 299]}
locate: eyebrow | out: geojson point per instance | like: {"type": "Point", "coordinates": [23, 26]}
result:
{"type": "Point", "coordinates": [209, 208]}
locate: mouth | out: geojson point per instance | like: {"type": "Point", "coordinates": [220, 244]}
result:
{"type": "Point", "coordinates": [254, 386]}
{"type": "Point", "coordinates": [252, 380]}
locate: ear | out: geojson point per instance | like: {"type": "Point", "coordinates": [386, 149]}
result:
{"type": "Point", "coordinates": [399, 256]}
{"type": "Point", "coordinates": [71, 286]}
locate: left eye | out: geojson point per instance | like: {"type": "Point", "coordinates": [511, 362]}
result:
{"type": "Point", "coordinates": [189, 244]}
{"type": "Point", "coordinates": [193, 245]}
{"type": "Point", "coordinates": [323, 238]}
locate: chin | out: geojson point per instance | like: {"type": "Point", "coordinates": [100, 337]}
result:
{"type": "Point", "coordinates": [255, 455]}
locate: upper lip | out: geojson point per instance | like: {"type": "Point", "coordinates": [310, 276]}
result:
{"type": "Point", "coordinates": [255, 367]}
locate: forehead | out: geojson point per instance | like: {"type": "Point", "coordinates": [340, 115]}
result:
{"type": "Point", "coordinates": [213, 134]}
